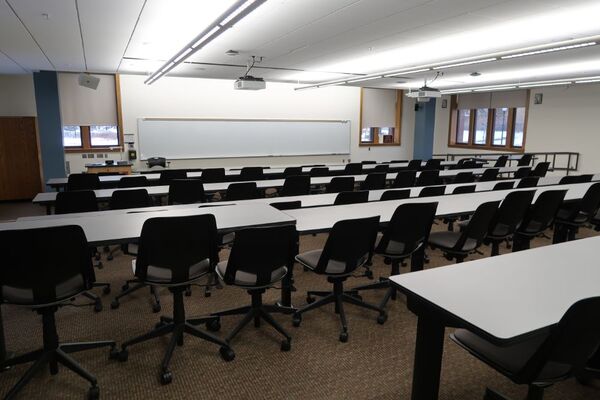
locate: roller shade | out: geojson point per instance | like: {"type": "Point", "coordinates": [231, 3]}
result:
{"type": "Point", "coordinates": [509, 98]}
{"type": "Point", "coordinates": [83, 106]}
{"type": "Point", "coordinates": [378, 108]}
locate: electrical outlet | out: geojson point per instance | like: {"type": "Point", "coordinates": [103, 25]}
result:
{"type": "Point", "coordinates": [84, 155]}
{"type": "Point", "coordinates": [99, 155]}
{"type": "Point", "coordinates": [90, 155]}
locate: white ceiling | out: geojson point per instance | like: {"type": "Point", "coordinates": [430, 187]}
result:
{"type": "Point", "coordinates": [304, 41]}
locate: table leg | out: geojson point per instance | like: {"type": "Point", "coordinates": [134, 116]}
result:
{"type": "Point", "coordinates": [417, 259]}
{"type": "Point", "coordinates": [48, 209]}
{"type": "Point", "coordinates": [428, 358]}
{"type": "Point", "coordinates": [3, 354]}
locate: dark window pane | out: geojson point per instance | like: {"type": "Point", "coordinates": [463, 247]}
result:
{"type": "Point", "coordinates": [104, 135]}
{"type": "Point", "coordinates": [481, 123]}
{"type": "Point", "coordinates": [72, 136]}
{"type": "Point", "coordinates": [500, 127]}
{"type": "Point", "coordinates": [367, 136]}
{"type": "Point", "coordinates": [462, 131]}
{"type": "Point", "coordinates": [519, 127]}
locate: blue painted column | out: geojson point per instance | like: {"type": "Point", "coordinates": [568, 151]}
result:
{"type": "Point", "coordinates": [49, 124]}
{"type": "Point", "coordinates": [424, 127]}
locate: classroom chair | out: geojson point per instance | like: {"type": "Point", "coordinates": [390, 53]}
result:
{"type": "Point", "coordinates": [83, 182]}
{"type": "Point", "coordinates": [522, 172]}
{"type": "Point", "coordinates": [414, 165]}
{"type": "Point", "coordinates": [213, 175]}
{"type": "Point", "coordinates": [575, 215]}
{"type": "Point", "coordinates": [405, 179]}
{"type": "Point", "coordinates": [132, 181]}
{"type": "Point", "coordinates": [428, 178]}
{"type": "Point", "coordinates": [319, 171]}
{"type": "Point", "coordinates": [169, 175]}
{"type": "Point", "coordinates": [368, 162]}
{"type": "Point", "coordinates": [241, 191]}
{"type": "Point", "coordinates": [374, 181]}
{"type": "Point", "coordinates": [295, 185]}
{"type": "Point", "coordinates": [528, 182]}
{"type": "Point", "coordinates": [489, 174]}
{"type": "Point", "coordinates": [340, 184]}
{"type": "Point", "coordinates": [292, 171]}
{"type": "Point", "coordinates": [342, 198]}
{"type": "Point", "coordinates": [525, 160]}
{"type": "Point", "coordinates": [353, 169]}
{"type": "Point", "coordinates": [540, 169]}
{"type": "Point", "coordinates": [398, 194]}
{"type": "Point", "coordinates": [464, 177]}
{"type": "Point", "coordinates": [382, 168]}
{"type": "Point", "coordinates": [433, 164]}
{"type": "Point", "coordinates": [287, 205]}
{"type": "Point", "coordinates": [431, 191]}
{"type": "Point", "coordinates": [504, 186]}
{"type": "Point", "coordinates": [501, 162]}
{"type": "Point", "coordinates": [252, 174]}
{"type": "Point", "coordinates": [186, 191]}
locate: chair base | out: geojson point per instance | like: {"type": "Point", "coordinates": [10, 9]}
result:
{"type": "Point", "coordinates": [384, 283]}
{"type": "Point", "coordinates": [137, 285]}
{"type": "Point", "coordinates": [533, 393]}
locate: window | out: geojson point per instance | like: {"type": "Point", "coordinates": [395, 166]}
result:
{"type": "Point", "coordinates": [380, 117]}
{"type": "Point", "coordinates": [519, 132]}
{"type": "Point", "coordinates": [481, 126]}
{"type": "Point", "coordinates": [104, 136]}
{"type": "Point", "coordinates": [464, 126]}
{"type": "Point", "coordinates": [500, 127]}
{"type": "Point", "coordinates": [386, 135]}
{"type": "Point", "coordinates": [366, 135]}
{"type": "Point", "coordinates": [72, 136]}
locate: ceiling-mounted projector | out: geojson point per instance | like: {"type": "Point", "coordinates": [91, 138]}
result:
{"type": "Point", "coordinates": [249, 82]}
{"type": "Point", "coordinates": [424, 93]}
{"type": "Point", "coordinates": [88, 81]}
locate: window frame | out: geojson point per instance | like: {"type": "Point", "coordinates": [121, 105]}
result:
{"type": "Point", "coordinates": [104, 146]}
{"type": "Point", "coordinates": [397, 134]}
{"type": "Point", "coordinates": [80, 138]}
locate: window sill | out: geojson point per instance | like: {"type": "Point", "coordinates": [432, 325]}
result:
{"type": "Point", "coordinates": [94, 150]}
{"type": "Point", "coordinates": [377, 144]}
{"type": "Point", "coordinates": [488, 148]}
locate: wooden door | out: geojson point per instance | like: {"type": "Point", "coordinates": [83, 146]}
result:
{"type": "Point", "coordinates": [20, 176]}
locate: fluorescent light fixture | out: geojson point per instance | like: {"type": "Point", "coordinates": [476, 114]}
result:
{"type": "Point", "coordinates": [229, 18]}
{"type": "Point", "coordinates": [545, 84]}
{"type": "Point", "coordinates": [407, 72]}
{"type": "Point", "coordinates": [460, 64]}
{"type": "Point", "coordinates": [495, 88]}
{"type": "Point", "coordinates": [367, 78]}
{"type": "Point", "coordinates": [592, 80]}
{"type": "Point", "coordinates": [550, 50]}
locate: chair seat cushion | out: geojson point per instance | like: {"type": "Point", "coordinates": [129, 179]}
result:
{"type": "Point", "coordinates": [227, 238]}
{"type": "Point", "coordinates": [393, 248]}
{"type": "Point", "coordinates": [247, 279]}
{"type": "Point", "coordinates": [310, 259]}
{"type": "Point", "coordinates": [164, 276]}
{"type": "Point", "coordinates": [509, 360]}
{"type": "Point", "coordinates": [447, 241]}
{"type": "Point", "coordinates": [565, 215]}
{"type": "Point", "coordinates": [24, 296]}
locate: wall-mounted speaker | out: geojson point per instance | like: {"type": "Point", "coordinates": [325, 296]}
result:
{"type": "Point", "coordinates": [132, 155]}
{"type": "Point", "coordinates": [417, 107]}
{"type": "Point", "coordinates": [88, 81]}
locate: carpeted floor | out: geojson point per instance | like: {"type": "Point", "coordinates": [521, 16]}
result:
{"type": "Point", "coordinates": [376, 363]}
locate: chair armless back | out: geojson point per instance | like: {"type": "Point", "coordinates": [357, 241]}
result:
{"type": "Point", "coordinates": [132, 198]}
{"type": "Point", "coordinates": [75, 202]}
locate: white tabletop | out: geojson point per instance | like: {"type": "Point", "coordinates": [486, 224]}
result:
{"type": "Point", "coordinates": [513, 294]}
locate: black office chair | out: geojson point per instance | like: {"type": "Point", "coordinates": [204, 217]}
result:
{"type": "Point", "coordinates": [414, 165]}
{"type": "Point", "coordinates": [458, 245]}
{"type": "Point", "coordinates": [351, 197]}
{"type": "Point", "coordinates": [44, 269]}
{"type": "Point", "coordinates": [296, 185]}
{"type": "Point", "coordinates": [292, 171]}
{"type": "Point", "coordinates": [368, 162]}
{"type": "Point", "coordinates": [382, 168]}
{"type": "Point", "coordinates": [504, 185]}
{"type": "Point", "coordinates": [569, 179]}
{"type": "Point", "coordinates": [132, 181]}
{"type": "Point", "coordinates": [540, 169]}
{"type": "Point", "coordinates": [340, 184]}
{"type": "Point", "coordinates": [509, 216]}
{"type": "Point", "coordinates": [464, 189]}
{"type": "Point", "coordinates": [157, 162]}
{"type": "Point", "coordinates": [83, 182]}
{"type": "Point", "coordinates": [525, 160]}
{"type": "Point", "coordinates": [530, 181]}
{"type": "Point", "coordinates": [241, 191]}
{"type": "Point", "coordinates": [433, 164]}
{"type": "Point", "coordinates": [431, 191]}
{"type": "Point", "coordinates": [175, 252]}
{"type": "Point", "coordinates": [398, 161]}
{"type": "Point", "coordinates": [405, 179]}
{"type": "Point", "coordinates": [428, 178]}
{"type": "Point", "coordinates": [287, 205]}
{"type": "Point", "coordinates": [464, 177]}
{"type": "Point", "coordinates": [570, 219]}
{"type": "Point", "coordinates": [522, 172]}
{"type": "Point", "coordinates": [586, 178]}
{"type": "Point", "coordinates": [353, 169]}
{"type": "Point", "coordinates": [213, 175]}
{"type": "Point", "coordinates": [186, 191]}
{"type": "Point", "coordinates": [169, 175]}
{"type": "Point", "coordinates": [348, 247]}
{"type": "Point", "coordinates": [501, 162]}
{"type": "Point", "coordinates": [319, 171]}
{"type": "Point", "coordinates": [405, 234]}
{"type": "Point", "coordinates": [374, 181]}
{"type": "Point", "coordinates": [489, 174]}
{"type": "Point", "coordinates": [541, 360]}
{"type": "Point", "coordinates": [538, 218]}
{"type": "Point", "coordinates": [399, 194]}
{"type": "Point", "coordinates": [252, 174]}
{"type": "Point", "coordinates": [259, 258]}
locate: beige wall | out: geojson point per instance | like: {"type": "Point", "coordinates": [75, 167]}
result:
{"type": "Point", "coordinates": [17, 97]}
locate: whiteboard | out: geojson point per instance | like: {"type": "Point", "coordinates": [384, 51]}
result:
{"type": "Point", "coordinates": [220, 138]}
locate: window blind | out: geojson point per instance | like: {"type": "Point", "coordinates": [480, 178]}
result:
{"type": "Point", "coordinates": [83, 106]}
{"type": "Point", "coordinates": [503, 98]}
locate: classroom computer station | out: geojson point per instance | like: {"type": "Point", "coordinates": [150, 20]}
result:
{"type": "Point", "coordinates": [266, 199]}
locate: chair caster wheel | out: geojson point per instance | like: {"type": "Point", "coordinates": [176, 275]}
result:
{"type": "Point", "coordinates": [357, 296]}
{"type": "Point", "coordinates": [226, 353]}
{"type": "Point", "coordinates": [344, 337]}
{"type": "Point", "coordinates": [93, 393]}
{"type": "Point", "coordinates": [213, 326]}
{"type": "Point", "coordinates": [97, 256]}
{"type": "Point", "coordinates": [123, 355]}
{"type": "Point", "coordinates": [382, 318]}
{"type": "Point", "coordinates": [310, 299]}
{"type": "Point", "coordinates": [125, 287]}
{"type": "Point", "coordinates": [286, 345]}
{"type": "Point", "coordinates": [296, 320]}
{"type": "Point", "coordinates": [114, 353]}
{"type": "Point", "coordinates": [97, 306]}
{"type": "Point", "coordinates": [156, 308]}
{"type": "Point", "coordinates": [166, 377]}
{"type": "Point", "coordinates": [188, 292]}
{"type": "Point", "coordinates": [387, 261]}
{"type": "Point", "coordinates": [159, 324]}
{"type": "Point", "coordinates": [114, 304]}
{"type": "Point", "coordinates": [110, 257]}
{"type": "Point", "coordinates": [100, 265]}
{"type": "Point", "coordinates": [369, 274]}
{"type": "Point", "coordinates": [207, 294]}
{"type": "Point", "coordinates": [106, 290]}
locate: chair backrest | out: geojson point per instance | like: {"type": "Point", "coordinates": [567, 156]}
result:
{"type": "Point", "coordinates": [351, 197]}
{"type": "Point", "coordinates": [525, 160]}
{"type": "Point", "coordinates": [398, 194]}
{"type": "Point", "coordinates": [353, 169]}
{"type": "Point", "coordinates": [44, 265]}
{"type": "Point", "coordinates": [348, 246]}
{"type": "Point", "coordinates": [259, 252]}
{"type": "Point", "coordinates": [568, 179]}
{"type": "Point", "coordinates": [489, 174]}
{"type": "Point", "coordinates": [511, 213]}
{"type": "Point", "coordinates": [430, 191]}
{"type": "Point", "coordinates": [571, 342]}
{"type": "Point", "coordinates": [382, 168]}
{"type": "Point", "coordinates": [213, 175]}
{"type": "Point", "coordinates": [75, 202]}
{"type": "Point", "coordinates": [428, 178]}
{"type": "Point", "coordinates": [398, 161]}
{"type": "Point", "coordinates": [368, 162]}
{"type": "Point", "coordinates": [296, 185]}
{"type": "Point", "coordinates": [319, 171]}
{"type": "Point", "coordinates": [340, 184]}
{"type": "Point", "coordinates": [292, 171]}
{"type": "Point", "coordinates": [469, 164]}
{"type": "Point", "coordinates": [464, 189]}
{"type": "Point", "coordinates": [540, 169]}
{"type": "Point", "coordinates": [501, 162]}
{"type": "Point", "coordinates": [132, 181]}
{"type": "Point", "coordinates": [414, 165]}
{"type": "Point", "coordinates": [169, 175]}
{"type": "Point", "coordinates": [173, 249]}
{"type": "Point", "coordinates": [589, 204]}
{"type": "Point", "coordinates": [408, 229]}
{"type": "Point", "coordinates": [586, 178]}
{"type": "Point", "coordinates": [541, 215]}
{"type": "Point", "coordinates": [478, 226]}
{"type": "Point", "coordinates": [186, 191]}
{"type": "Point", "coordinates": [241, 191]}
{"type": "Point", "coordinates": [504, 185]}
{"type": "Point", "coordinates": [523, 172]}
{"type": "Point", "coordinates": [405, 179]}
{"type": "Point", "coordinates": [156, 162]}
{"type": "Point", "coordinates": [433, 164]}
{"type": "Point", "coordinates": [252, 173]}
{"type": "Point", "coordinates": [83, 182]}
{"type": "Point", "coordinates": [374, 181]}
{"type": "Point", "coordinates": [530, 181]}
{"type": "Point", "coordinates": [132, 198]}
{"type": "Point", "coordinates": [287, 205]}
{"type": "Point", "coordinates": [464, 177]}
